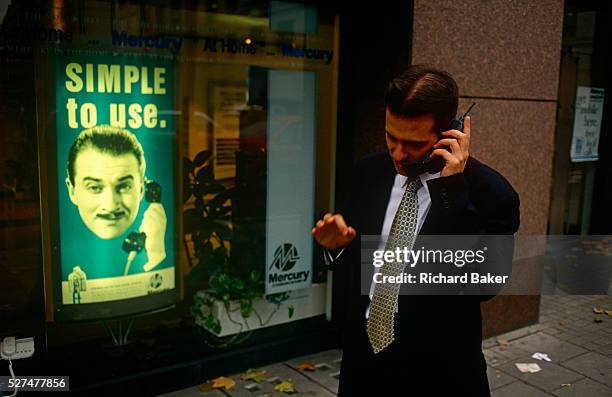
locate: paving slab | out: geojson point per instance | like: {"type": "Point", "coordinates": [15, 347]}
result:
{"type": "Point", "coordinates": [194, 392]}
{"type": "Point", "coordinates": [557, 349]}
{"type": "Point", "coordinates": [327, 368]}
{"type": "Point", "coordinates": [584, 388]}
{"type": "Point", "coordinates": [518, 389]}
{"type": "Point", "coordinates": [593, 365]}
{"type": "Point", "coordinates": [498, 378]}
{"type": "Point", "coordinates": [275, 374]}
{"type": "Point", "coordinates": [551, 377]}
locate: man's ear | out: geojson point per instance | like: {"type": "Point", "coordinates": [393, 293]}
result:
{"type": "Point", "coordinates": [71, 191]}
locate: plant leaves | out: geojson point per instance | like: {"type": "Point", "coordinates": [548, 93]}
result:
{"type": "Point", "coordinates": [224, 278]}
{"type": "Point", "coordinates": [277, 298]}
{"type": "Point", "coordinates": [217, 328]}
{"type": "Point", "coordinates": [222, 197]}
{"type": "Point", "coordinates": [187, 167]}
{"type": "Point", "coordinates": [246, 307]}
{"type": "Point", "coordinates": [220, 256]}
{"type": "Point", "coordinates": [205, 254]}
{"type": "Point", "coordinates": [223, 230]}
{"type": "Point", "coordinates": [191, 219]}
{"type": "Point", "coordinates": [237, 284]}
{"type": "Point", "coordinates": [255, 275]}
{"type": "Point", "coordinates": [214, 188]}
{"type": "Point", "coordinates": [197, 276]}
{"type": "Point", "coordinates": [223, 382]}
{"type": "Point", "coordinates": [204, 177]}
{"type": "Point", "coordinates": [205, 230]}
{"type": "Point", "coordinates": [223, 210]}
{"type": "Point", "coordinates": [201, 158]}
{"type": "Point", "coordinates": [210, 321]}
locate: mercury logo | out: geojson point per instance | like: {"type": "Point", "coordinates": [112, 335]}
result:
{"type": "Point", "coordinates": [285, 257]}
{"type": "Point", "coordinates": [156, 281]}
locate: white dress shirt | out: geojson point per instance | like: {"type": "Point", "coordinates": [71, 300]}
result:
{"type": "Point", "coordinates": [399, 187]}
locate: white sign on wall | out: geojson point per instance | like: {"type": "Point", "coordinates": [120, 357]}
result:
{"type": "Point", "coordinates": [291, 182]}
{"type": "Point", "coordinates": [587, 124]}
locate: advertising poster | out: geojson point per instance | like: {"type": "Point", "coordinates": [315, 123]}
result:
{"type": "Point", "coordinates": [115, 175]}
{"type": "Point", "coordinates": [587, 124]}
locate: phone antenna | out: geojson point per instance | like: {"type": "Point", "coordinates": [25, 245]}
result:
{"type": "Point", "coordinates": [467, 111]}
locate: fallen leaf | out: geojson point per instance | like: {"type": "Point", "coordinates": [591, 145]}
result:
{"type": "Point", "coordinates": [254, 375]}
{"type": "Point", "coordinates": [306, 366]}
{"type": "Point", "coordinates": [223, 382]}
{"type": "Point", "coordinates": [597, 320]}
{"type": "Point", "coordinates": [503, 342]}
{"type": "Point", "coordinates": [285, 387]}
{"type": "Point", "coordinates": [205, 387]}
{"type": "Point", "coordinates": [598, 310]}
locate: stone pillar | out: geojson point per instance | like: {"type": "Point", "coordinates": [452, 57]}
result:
{"type": "Point", "coordinates": [505, 55]}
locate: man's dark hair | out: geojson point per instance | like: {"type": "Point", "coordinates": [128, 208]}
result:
{"type": "Point", "coordinates": [422, 90]}
{"type": "Point", "coordinates": [109, 140]}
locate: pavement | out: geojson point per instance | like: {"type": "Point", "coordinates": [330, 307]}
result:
{"type": "Point", "coordinates": [578, 345]}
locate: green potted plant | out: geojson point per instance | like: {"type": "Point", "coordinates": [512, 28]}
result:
{"type": "Point", "coordinates": [207, 224]}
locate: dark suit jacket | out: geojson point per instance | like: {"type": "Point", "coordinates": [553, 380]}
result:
{"type": "Point", "coordinates": [438, 338]}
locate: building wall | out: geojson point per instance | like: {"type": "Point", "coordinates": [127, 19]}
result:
{"type": "Point", "coordinates": [506, 57]}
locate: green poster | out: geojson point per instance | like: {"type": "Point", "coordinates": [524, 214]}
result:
{"type": "Point", "coordinates": [115, 150]}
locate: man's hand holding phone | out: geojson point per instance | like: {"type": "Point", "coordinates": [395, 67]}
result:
{"type": "Point", "coordinates": [154, 226]}
{"type": "Point", "coordinates": [458, 142]}
{"type": "Point", "coordinates": [332, 232]}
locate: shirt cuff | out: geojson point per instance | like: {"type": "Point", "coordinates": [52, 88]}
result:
{"type": "Point", "coordinates": [330, 257]}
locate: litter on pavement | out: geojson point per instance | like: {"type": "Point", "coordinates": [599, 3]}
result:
{"type": "Point", "coordinates": [530, 368]}
{"type": "Point", "coordinates": [541, 356]}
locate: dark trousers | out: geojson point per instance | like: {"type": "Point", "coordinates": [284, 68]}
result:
{"type": "Point", "coordinates": [408, 368]}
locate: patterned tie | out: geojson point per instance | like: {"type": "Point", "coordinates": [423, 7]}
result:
{"type": "Point", "coordinates": [384, 298]}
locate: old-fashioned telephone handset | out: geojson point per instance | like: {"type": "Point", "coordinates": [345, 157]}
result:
{"type": "Point", "coordinates": [135, 241]}
{"type": "Point", "coordinates": [435, 164]}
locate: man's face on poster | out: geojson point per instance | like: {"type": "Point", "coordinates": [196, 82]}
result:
{"type": "Point", "coordinates": [107, 191]}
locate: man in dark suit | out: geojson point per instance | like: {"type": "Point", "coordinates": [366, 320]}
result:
{"type": "Point", "coordinates": [431, 345]}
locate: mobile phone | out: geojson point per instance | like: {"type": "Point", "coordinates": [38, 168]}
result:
{"type": "Point", "coordinates": [436, 164]}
